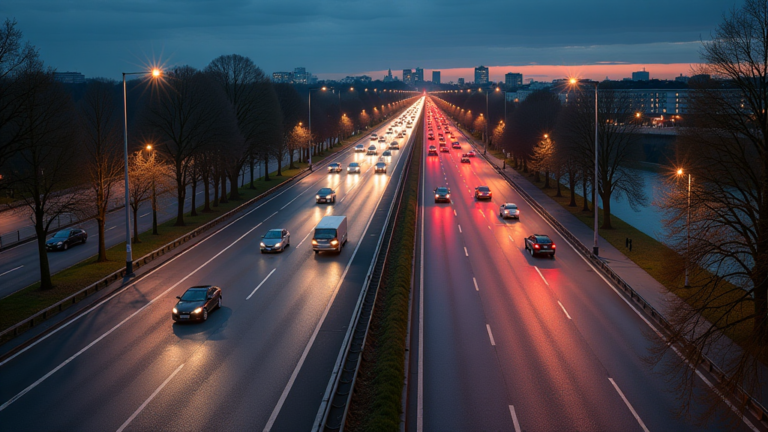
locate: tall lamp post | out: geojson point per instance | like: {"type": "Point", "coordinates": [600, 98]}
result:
{"type": "Point", "coordinates": [309, 123]}
{"type": "Point", "coordinates": [154, 73]}
{"type": "Point", "coordinates": [687, 229]}
{"type": "Point", "coordinates": [574, 82]}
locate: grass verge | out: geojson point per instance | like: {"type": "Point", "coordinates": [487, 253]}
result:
{"type": "Point", "coordinates": [376, 401]}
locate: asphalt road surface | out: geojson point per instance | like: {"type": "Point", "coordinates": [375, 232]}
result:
{"type": "Point", "coordinates": [502, 340]}
{"type": "Point", "coordinates": [262, 361]}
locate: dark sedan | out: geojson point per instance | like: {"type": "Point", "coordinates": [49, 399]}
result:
{"type": "Point", "coordinates": [65, 238]}
{"type": "Point", "coordinates": [325, 195]}
{"type": "Point", "coordinates": [196, 303]}
{"type": "Point", "coordinates": [442, 194]}
{"type": "Point", "coordinates": [540, 244]}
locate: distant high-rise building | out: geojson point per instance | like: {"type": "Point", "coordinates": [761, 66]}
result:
{"type": "Point", "coordinates": [461, 81]}
{"type": "Point", "coordinates": [435, 77]}
{"type": "Point", "coordinates": [69, 77]}
{"type": "Point", "coordinates": [418, 76]}
{"type": "Point", "coordinates": [408, 76]}
{"type": "Point", "coordinates": [282, 77]}
{"type": "Point", "coordinates": [642, 75]}
{"type": "Point", "coordinates": [301, 76]}
{"type": "Point", "coordinates": [481, 75]}
{"type": "Point", "coordinates": [513, 79]}
{"type": "Point", "coordinates": [682, 78]}
{"type": "Point", "coordinates": [389, 78]}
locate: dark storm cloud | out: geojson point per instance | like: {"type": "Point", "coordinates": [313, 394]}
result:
{"type": "Point", "coordinates": [337, 36]}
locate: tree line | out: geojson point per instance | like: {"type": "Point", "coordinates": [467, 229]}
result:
{"type": "Point", "coordinates": [61, 146]}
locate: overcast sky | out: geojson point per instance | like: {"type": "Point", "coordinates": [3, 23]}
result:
{"type": "Point", "coordinates": [335, 38]}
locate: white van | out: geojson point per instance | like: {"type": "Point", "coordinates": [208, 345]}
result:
{"type": "Point", "coordinates": [330, 234]}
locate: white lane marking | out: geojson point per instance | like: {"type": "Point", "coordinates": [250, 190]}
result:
{"type": "Point", "coordinates": [563, 308]}
{"type": "Point", "coordinates": [13, 269]}
{"type": "Point", "coordinates": [465, 251]}
{"type": "Point", "coordinates": [262, 283]}
{"type": "Point", "coordinates": [489, 227]}
{"type": "Point", "coordinates": [460, 229]}
{"type": "Point", "coordinates": [145, 214]}
{"type": "Point", "coordinates": [542, 276]}
{"type": "Point", "coordinates": [149, 399]}
{"type": "Point", "coordinates": [510, 238]}
{"type": "Point", "coordinates": [475, 281]}
{"type": "Point", "coordinates": [305, 237]}
{"type": "Point", "coordinates": [514, 418]}
{"type": "Point", "coordinates": [629, 405]}
{"type": "Point", "coordinates": [420, 373]}
{"type": "Point", "coordinates": [490, 335]}
{"type": "Point", "coordinates": [110, 229]}
{"type": "Point", "coordinates": [265, 219]}
{"type": "Point", "coordinates": [118, 325]}
{"type": "Point", "coordinates": [454, 212]}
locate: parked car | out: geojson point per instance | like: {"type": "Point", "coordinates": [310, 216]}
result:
{"type": "Point", "coordinates": [325, 195]}
{"type": "Point", "coordinates": [196, 303]}
{"type": "Point", "coordinates": [275, 240]}
{"type": "Point", "coordinates": [540, 244]}
{"type": "Point", "coordinates": [65, 238]}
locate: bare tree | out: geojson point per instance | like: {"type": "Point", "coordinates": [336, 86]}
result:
{"type": "Point", "coordinates": [100, 136]}
{"type": "Point", "coordinates": [725, 226]}
{"type": "Point", "coordinates": [140, 187]}
{"type": "Point", "coordinates": [45, 163]}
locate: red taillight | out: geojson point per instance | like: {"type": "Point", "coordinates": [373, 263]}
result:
{"type": "Point", "coordinates": [536, 246]}
{"type": "Point", "coordinates": [553, 246]}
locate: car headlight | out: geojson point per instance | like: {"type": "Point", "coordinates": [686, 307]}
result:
{"type": "Point", "coordinates": [197, 311]}
{"type": "Point", "coordinates": [448, 196]}
{"type": "Point", "coordinates": [175, 310]}
{"type": "Point", "coordinates": [261, 244]}
{"type": "Point", "coordinates": [278, 244]}
{"type": "Point", "coordinates": [317, 196]}
{"type": "Point", "coordinates": [328, 197]}
{"type": "Point", "coordinates": [59, 243]}
{"type": "Point", "coordinates": [506, 211]}
{"type": "Point", "coordinates": [314, 242]}
{"type": "Point", "coordinates": [334, 242]}
{"type": "Point", "coordinates": [437, 196]}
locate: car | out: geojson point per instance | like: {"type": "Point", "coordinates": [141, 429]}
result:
{"type": "Point", "coordinates": [432, 150]}
{"type": "Point", "coordinates": [471, 153]}
{"type": "Point", "coordinates": [372, 150]}
{"type": "Point", "coordinates": [359, 148]}
{"type": "Point", "coordinates": [431, 137]}
{"type": "Point", "coordinates": [382, 140]}
{"type": "Point", "coordinates": [409, 125]}
{"type": "Point", "coordinates": [353, 168]}
{"type": "Point", "coordinates": [465, 159]}
{"type": "Point", "coordinates": [275, 240]}
{"type": "Point", "coordinates": [325, 195]}
{"type": "Point", "coordinates": [509, 210]}
{"type": "Point", "coordinates": [334, 167]}
{"type": "Point", "coordinates": [444, 149]}
{"type": "Point", "coordinates": [65, 238]}
{"type": "Point", "coordinates": [394, 145]}
{"type": "Point", "coordinates": [196, 303]}
{"type": "Point", "coordinates": [380, 167]}
{"type": "Point", "coordinates": [483, 192]}
{"type": "Point", "coordinates": [402, 135]}
{"type": "Point", "coordinates": [374, 137]}
{"type": "Point", "coordinates": [387, 153]}
{"type": "Point", "coordinates": [442, 194]}
{"type": "Point", "coordinates": [441, 139]}
{"type": "Point", "coordinates": [456, 145]}
{"type": "Point", "coordinates": [540, 244]}
{"type": "Point", "coordinates": [439, 127]}
{"type": "Point", "coordinates": [389, 132]}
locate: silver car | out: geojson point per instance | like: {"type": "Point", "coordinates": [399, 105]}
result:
{"type": "Point", "coordinates": [275, 240]}
{"type": "Point", "coordinates": [509, 210]}
{"type": "Point", "coordinates": [353, 167]}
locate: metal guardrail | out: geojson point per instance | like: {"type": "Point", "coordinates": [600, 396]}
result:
{"type": "Point", "coordinates": [344, 376]}
{"type": "Point", "coordinates": [37, 318]}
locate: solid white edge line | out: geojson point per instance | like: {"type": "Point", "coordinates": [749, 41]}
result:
{"type": "Point", "coordinates": [542, 276]}
{"type": "Point", "coordinates": [13, 269]}
{"type": "Point", "coordinates": [475, 281]}
{"type": "Point", "coordinates": [465, 251]}
{"type": "Point", "coordinates": [514, 418]}
{"type": "Point", "coordinates": [420, 373]}
{"type": "Point", "coordinates": [297, 369]}
{"type": "Point", "coordinates": [490, 335]}
{"type": "Point", "coordinates": [563, 308]}
{"type": "Point", "coordinates": [305, 238]}
{"type": "Point", "coordinates": [259, 286]}
{"type": "Point", "coordinates": [629, 405]}
{"type": "Point", "coordinates": [149, 399]}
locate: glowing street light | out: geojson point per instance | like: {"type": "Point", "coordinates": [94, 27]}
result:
{"type": "Point", "coordinates": [687, 228]}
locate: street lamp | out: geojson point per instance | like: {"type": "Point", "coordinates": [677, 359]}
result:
{"type": "Point", "coordinates": [687, 229]}
{"type": "Point", "coordinates": [575, 82]}
{"type": "Point", "coordinates": [155, 73]}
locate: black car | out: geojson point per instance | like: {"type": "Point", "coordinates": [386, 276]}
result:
{"type": "Point", "coordinates": [65, 238]}
{"type": "Point", "coordinates": [325, 195]}
{"type": "Point", "coordinates": [540, 244]}
{"type": "Point", "coordinates": [442, 194]}
{"type": "Point", "coordinates": [196, 303]}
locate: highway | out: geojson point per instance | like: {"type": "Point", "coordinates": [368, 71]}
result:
{"type": "Point", "coordinates": [263, 361]}
{"type": "Point", "coordinates": [505, 341]}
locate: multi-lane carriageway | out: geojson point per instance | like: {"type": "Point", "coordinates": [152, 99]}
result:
{"type": "Point", "coordinates": [263, 361]}
{"type": "Point", "coordinates": [504, 341]}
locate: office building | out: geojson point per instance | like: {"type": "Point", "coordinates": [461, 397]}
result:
{"type": "Point", "coordinates": [435, 77]}
{"type": "Point", "coordinates": [481, 75]}
{"type": "Point", "coordinates": [418, 76]}
{"type": "Point", "coordinates": [388, 77]}
{"type": "Point", "coordinates": [461, 81]}
{"type": "Point", "coordinates": [69, 77]}
{"type": "Point", "coordinates": [641, 75]}
{"type": "Point", "coordinates": [301, 76]}
{"type": "Point", "coordinates": [282, 77]}
{"type": "Point", "coordinates": [513, 80]}
{"type": "Point", "coordinates": [408, 76]}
